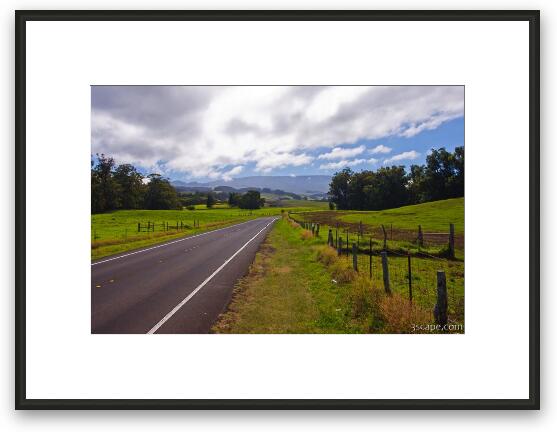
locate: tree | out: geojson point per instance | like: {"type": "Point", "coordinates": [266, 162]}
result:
{"type": "Point", "coordinates": [234, 199]}
{"type": "Point", "coordinates": [251, 200]}
{"type": "Point", "coordinates": [210, 200]}
{"type": "Point", "coordinates": [132, 189]}
{"type": "Point", "coordinates": [160, 194]}
{"type": "Point", "coordinates": [338, 188]}
{"type": "Point", "coordinates": [444, 174]}
{"type": "Point", "coordinates": [441, 177]}
{"type": "Point", "coordinates": [455, 184]}
{"type": "Point", "coordinates": [98, 204]}
{"type": "Point", "coordinates": [105, 191]}
{"type": "Point", "coordinates": [386, 188]}
{"type": "Point", "coordinates": [331, 205]}
{"type": "Point", "coordinates": [416, 179]}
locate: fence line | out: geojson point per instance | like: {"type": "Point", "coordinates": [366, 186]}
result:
{"type": "Point", "coordinates": [415, 274]}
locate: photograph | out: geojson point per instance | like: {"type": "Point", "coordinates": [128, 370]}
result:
{"type": "Point", "coordinates": [277, 209]}
{"type": "Point", "coordinates": [289, 209]}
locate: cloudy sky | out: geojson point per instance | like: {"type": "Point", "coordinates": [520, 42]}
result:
{"type": "Point", "coordinates": [212, 132]}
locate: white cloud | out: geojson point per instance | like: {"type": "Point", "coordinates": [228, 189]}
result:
{"type": "Point", "coordinates": [342, 153]}
{"type": "Point", "coordinates": [380, 149]}
{"type": "Point", "coordinates": [342, 163]}
{"type": "Point", "coordinates": [431, 123]}
{"type": "Point", "coordinates": [202, 131]}
{"type": "Point", "coordinates": [408, 155]}
{"type": "Point", "coordinates": [280, 160]}
{"type": "Point", "coordinates": [228, 175]}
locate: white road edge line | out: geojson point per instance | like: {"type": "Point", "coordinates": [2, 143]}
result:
{"type": "Point", "coordinates": [202, 284]}
{"type": "Point", "coordinates": [169, 243]}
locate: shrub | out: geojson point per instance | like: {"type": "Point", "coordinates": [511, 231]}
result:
{"type": "Point", "coordinates": [292, 223]}
{"type": "Point", "coordinates": [342, 271]}
{"type": "Point", "coordinates": [364, 298]}
{"type": "Point", "coordinates": [326, 255]}
{"type": "Point", "coordinates": [190, 207]}
{"type": "Point", "coordinates": [306, 235]}
{"type": "Point", "coordinates": [399, 315]}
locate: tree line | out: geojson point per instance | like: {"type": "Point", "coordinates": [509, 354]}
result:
{"type": "Point", "coordinates": [123, 187]}
{"type": "Point", "coordinates": [441, 177]}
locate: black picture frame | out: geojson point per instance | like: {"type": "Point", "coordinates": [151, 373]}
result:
{"type": "Point", "coordinates": [531, 16]}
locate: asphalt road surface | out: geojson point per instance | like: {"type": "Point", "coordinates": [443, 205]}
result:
{"type": "Point", "coordinates": [180, 286]}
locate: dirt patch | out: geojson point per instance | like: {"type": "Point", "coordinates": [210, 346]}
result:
{"type": "Point", "coordinates": [397, 234]}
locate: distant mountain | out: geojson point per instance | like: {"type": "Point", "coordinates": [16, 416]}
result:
{"type": "Point", "coordinates": [302, 185]}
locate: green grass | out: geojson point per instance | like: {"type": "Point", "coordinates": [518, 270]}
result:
{"type": "Point", "coordinates": [216, 206]}
{"type": "Point", "coordinates": [116, 232]}
{"type": "Point", "coordinates": [287, 291]}
{"type": "Point", "coordinates": [432, 216]}
{"type": "Point", "coordinates": [290, 290]}
{"type": "Point", "coordinates": [296, 205]}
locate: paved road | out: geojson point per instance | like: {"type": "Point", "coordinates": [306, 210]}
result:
{"type": "Point", "coordinates": [178, 287]}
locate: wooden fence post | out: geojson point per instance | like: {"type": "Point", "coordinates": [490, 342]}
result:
{"type": "Point", "coordinates": [409, 277]}
{"type": "Point", "coordinates": [440, 310]}
{"type": "Point", "coordinates": [384, 237]}
{"type": "Point", "coordinates": [370, 258]}
{"type": "Point", "coordinates": [317, 230]}
{"type": "Point", "coordinates": [386, 281]}
{"type": "Point", "coordinates": [391, 231]}
{"type": "Point", "coordinates": [354, 257]}
{"type": "Point", "coordinates": [336, 236]}
{"type": "Point", "coordinates": [138, 226]}
{"type": "Point", "coordinates": [420, 237]}
{"type": "Point", "coordinates": [347, 243]}
{"type": "Point", "coordinates": [451, 240]}
{"type": "Point", "coordinates": [339, 248]}
{"type": "Point", "coordinates": [330, 238]}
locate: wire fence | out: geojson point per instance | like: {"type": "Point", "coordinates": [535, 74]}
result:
{"type": "Point", "coordinates": [406, 268]}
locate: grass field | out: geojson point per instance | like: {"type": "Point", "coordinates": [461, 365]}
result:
{"type": "Point", "coordinates": [297, 284]}
{"type": "Point", "coordinates": [401, 226]}
{"type": "Point", "coordinates": [117, 231]}
{"type": "Point", "coordinates": [296, 205]}
{"type": "Point", "coordinates": [216, 206]}
{"type": "Point", "coordinates": [432, 216]}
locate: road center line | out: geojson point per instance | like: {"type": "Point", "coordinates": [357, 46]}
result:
{"type": "Point", "coordinates": [202, 284]}
{"type": "Point", "coordinates": [169, 243]}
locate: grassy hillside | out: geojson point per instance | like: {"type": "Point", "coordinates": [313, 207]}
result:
{"type": "Point", "coordinates": [296, 205]}
{"type": "Point", "coordinates": [433, 216]}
